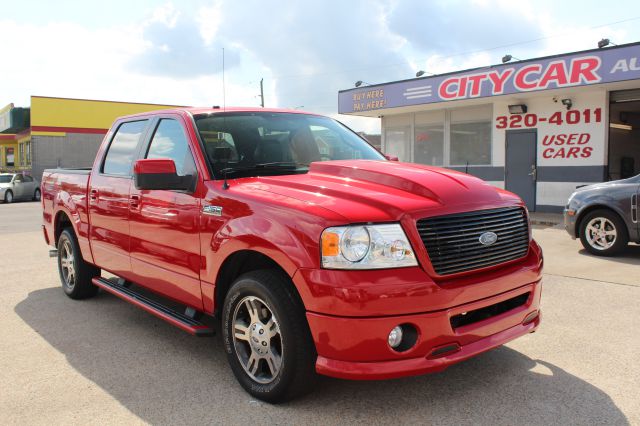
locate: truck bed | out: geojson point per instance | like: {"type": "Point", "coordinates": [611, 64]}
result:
{"type": "Point", "coordinates": [64, 192]}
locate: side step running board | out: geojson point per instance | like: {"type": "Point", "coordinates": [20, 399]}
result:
{"type": "Point", "coordinates": [178, 319]}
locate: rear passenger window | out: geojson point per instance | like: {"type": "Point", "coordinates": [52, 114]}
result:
{"type": "Point", "coordinates": [169, 141]}
{"type": "Point", "coordinates": [122, 151]}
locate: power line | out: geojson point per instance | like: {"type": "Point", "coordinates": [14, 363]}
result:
{"type": "Point", "coordinates": [452, 55]}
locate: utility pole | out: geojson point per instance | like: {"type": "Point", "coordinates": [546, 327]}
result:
{"type": "Point", "coordinates": [261, 93]}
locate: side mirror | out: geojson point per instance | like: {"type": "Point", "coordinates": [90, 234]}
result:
{"type": "Point", "coordinates": [160, 173]}
{"type": "Point", "coordinates": [391, 157]}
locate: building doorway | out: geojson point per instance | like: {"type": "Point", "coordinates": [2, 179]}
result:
{"type": "Point", "coordinates": [624, 134]}
{"type": "Point", "coordinates": [520, 171]}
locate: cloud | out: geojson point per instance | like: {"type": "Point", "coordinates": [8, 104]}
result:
{"type": "Point", "coordinates": [66, 59]}
{"type": "Point", "coordinates": [175, 47]}
{"type": "Point", "coordinates": [459, 26]}
{"type": "Point", "coordinates": [306, 54]}
{"type": "Point", "coordinates": [310, 53]}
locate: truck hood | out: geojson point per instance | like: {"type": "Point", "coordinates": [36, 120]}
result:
{"type": "Point", "coordinates": [369, 190]}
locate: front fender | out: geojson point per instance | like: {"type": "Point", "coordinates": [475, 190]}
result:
{"type": "Point", "coordinates": [602, 202]}
{"type": "Point", "coordinates": [270, 237]}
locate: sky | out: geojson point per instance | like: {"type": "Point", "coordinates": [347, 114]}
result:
{"type": "Point", "coordinates": [156, 51]}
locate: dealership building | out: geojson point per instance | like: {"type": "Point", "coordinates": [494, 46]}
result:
{"type": "Point", "coordinates": [538, 127]}
{"type": "Point", "coordinates": [58, 132]}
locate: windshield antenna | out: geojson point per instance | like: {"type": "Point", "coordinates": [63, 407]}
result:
{"type": "Point", "coordinates": [224, 95]}
{"type": "Point", "coordinates": [225, 185]}
{"type": "Point", "coordinates": [221, 155]}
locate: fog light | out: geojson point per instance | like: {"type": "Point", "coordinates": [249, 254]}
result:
{"type": "Point", "coordinates": [530, 318]}
{"type": "Point", "coordinates": [395, 337]}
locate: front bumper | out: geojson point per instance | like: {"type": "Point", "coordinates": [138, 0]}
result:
{"type": "Point", "coordinates": [356, 348]}
{"type": "Point", "coordinates": [570, 216]}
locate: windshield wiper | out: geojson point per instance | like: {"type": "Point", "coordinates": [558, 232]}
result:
{"type": "Point", "coordinates": [276, 165]}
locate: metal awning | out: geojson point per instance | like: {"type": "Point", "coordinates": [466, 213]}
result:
{"type": "Point", "coordinates": [14, 120]}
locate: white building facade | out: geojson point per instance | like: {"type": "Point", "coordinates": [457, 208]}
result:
{"type": "Point", "coordinates": [539, 128]}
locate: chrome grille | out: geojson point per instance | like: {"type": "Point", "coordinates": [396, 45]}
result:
{"type": "Point", "coordinates": [453, 241]}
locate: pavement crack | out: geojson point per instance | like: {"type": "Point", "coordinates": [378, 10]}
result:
{"type": "Point", "coordinates": [594, 280]}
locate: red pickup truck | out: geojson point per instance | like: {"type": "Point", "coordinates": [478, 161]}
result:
{"type": "Point", "coordinates": [316, 253]}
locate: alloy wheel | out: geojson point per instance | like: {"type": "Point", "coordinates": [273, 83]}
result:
{"type": "Point", "coordinates": [67, 264]}
{"type": "Point", "coordinates": [257, 339]}
{"type": "Point", "coordinates": [601, 233]}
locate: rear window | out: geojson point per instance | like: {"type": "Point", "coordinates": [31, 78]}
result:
{"type": "Point", "coordinates": [122, 150]}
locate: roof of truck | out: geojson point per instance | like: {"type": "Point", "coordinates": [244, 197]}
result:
{"type": "Point", "coordinates": [215, 110]}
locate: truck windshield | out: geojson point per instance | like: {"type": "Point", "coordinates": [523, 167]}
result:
{"type": "Point", "coordinates": [5, 178]}
{"type": "Point", "coordinates": [268, 143]}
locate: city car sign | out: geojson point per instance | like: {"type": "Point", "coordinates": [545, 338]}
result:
{"type": "Point", "coordinates": [578, 69]}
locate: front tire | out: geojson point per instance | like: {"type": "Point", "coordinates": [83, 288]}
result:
{"type": "Point", "coordinates": [603, 233]}
{"type": "Point", "coordinates": [75, 273]}
{"type": "Point", "coordinates": [267, 338]}
{"type": "Point", "coordinates": [8, 197]}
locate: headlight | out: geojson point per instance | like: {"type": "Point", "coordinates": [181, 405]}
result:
{"type": "Point", "coordinates": [366, 247]}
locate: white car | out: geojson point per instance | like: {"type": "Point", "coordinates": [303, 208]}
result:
{"type": "Point", "coordinates": [18, 186]}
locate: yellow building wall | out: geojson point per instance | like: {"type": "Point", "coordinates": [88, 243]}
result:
{"type": "Point", "coordinates": [58, 115]}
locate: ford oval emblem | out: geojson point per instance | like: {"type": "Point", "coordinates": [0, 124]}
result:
{"type": "Point", "coordinates": [488, 238]}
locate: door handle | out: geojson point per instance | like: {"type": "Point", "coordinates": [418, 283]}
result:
{"type": "Point", "coordinates": [134, 201]}
{"type": "Point", "coordinates": [93, 194]}
{"type": "Point", "coordinates": [534, 172]}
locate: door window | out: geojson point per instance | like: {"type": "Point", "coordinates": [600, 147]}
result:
{"type": "Point", "coordinates": [169, 141]}
{"type": "Point", "coordinates": [119, 158]}
{"type": "Point", "coordinates": [18, 178]}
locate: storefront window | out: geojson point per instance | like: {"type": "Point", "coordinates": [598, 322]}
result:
{"type": "Point", "coordinates": [397, 142]}
{"type": "Point", "coordinates": [429, 138]}
{"type": "Point", "coordinates": [470, 136]}
{"type": "Point", "coordinates": [28, 150]}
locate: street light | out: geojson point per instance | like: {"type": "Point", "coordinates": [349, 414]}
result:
{"type": "Point", "coordinates": [604, 43]}
{"type": "Point", "coordinates": [422, 72]}
{"type": "Point", "coordinates": [360, 83]}
{"type": "Point", "coordinates": [507, 58]}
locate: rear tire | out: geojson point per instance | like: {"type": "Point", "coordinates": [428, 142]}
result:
{"type": "Point", "coordinates": [36, 195]}
{"type": "Point", "coordinates": [75, 273]}
{"type": "Point", "coordinates": [8, 197]}
{"type": "Point", "coordinates": [267, 337]}
{"type": "Point", "coordinates": [603, 233]}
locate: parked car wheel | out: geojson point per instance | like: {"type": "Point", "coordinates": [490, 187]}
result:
{"type": "Point", "coordinates": [36, 195]}
{"type": "Point", "coordinates": [75, 273]}
{"type": "Point", "coordinates": [8, 197]}
{"type": "Point", "coordinates": [267, 338]}
{"type": "Point", "coordinates": [603, 233]}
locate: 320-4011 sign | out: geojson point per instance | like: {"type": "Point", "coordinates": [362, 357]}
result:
{"type": "Point", "coordinates": [574, 116]}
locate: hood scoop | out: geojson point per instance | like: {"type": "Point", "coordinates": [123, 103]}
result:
{"type": "Point", "coordinates": [394, 175]}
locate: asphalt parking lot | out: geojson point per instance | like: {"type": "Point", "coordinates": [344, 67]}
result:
{"type": "Point", "coordinates": [104, 361]}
